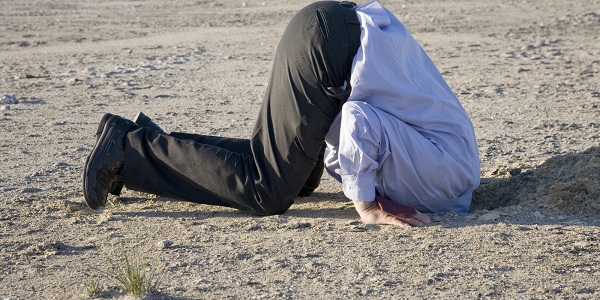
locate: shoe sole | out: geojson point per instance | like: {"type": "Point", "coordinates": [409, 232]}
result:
{"type": "Point", "coordinates": [142, 120]}
{"type": "Point", "coordinates": [88, 201]}
{"type": "Point", "coordinates": [118, 186]}
{"type": "Point", "coordinates": [98, 147]}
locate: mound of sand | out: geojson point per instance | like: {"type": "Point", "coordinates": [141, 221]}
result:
{"type": "Point", "coordinates": [567, 183]}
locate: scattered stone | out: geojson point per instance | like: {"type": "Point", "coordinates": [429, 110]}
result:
{"type": "Point", "coordinates": [71, 207]}
{"type": "Point", "coordinates": [63, 122]}
{"type": "Point", "coordinates": [75, 81]}
{"type": "Point", "coordinates": [61, 164]}
{"type": "Point", "coordinates": [164, 244]}
{"type": "Point", "coordinates": [31, 76]}
{"type": "Point", "coordinates": [253, 227]}
{"type": "Point", "coordinates": [109, 74]}
{"type": "Point", "coordinates": [580, 246]}
{"type": "Point", "coordinates": [5, 107]}
{"type": "Point", "coordinates": [33, 100]}
{"type": "Point", "coordinates": [508, 55]}
{"type": "Point", "coordinates": [105, 216]}
{"type": "Point", "coordinates": [8, 99]}
{"type": "Point", "coordinates": [244, 256]}
{"type": "Point", "coordinates": [45, 248]}
{"type": "Point", "coordinates": [355, 226]}
{"type": "Point", "coordinates": [299, 225]}
{"type": "Point", "coordinates": [515, 171]}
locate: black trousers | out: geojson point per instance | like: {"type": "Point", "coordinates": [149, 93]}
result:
{"type": "Point", "coordinates": [284, 156]}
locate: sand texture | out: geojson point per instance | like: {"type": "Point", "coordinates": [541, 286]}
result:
{"type": "Point", "coordinates": [527, 72]}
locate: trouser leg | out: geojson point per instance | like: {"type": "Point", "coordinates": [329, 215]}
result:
{"type": "Point", "coordinates": [298, 108]}
{"type": "Point", "coordinates": [243, 145]}
{"type": "Point", "coordinates": [315, 53]}
{"type": "Point", "coordinates": [187, 170]}
{"type": "Point", "coordinates": [314, 178]}
{"type": "Point", "coordinates": [232, 144]}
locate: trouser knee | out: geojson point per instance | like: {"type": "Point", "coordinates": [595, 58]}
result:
{"type": "Point", "coordinates": [273, 204]}
{"type": "Point", "coordinates": [273, 209]}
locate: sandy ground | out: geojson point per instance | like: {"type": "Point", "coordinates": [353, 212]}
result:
{"type": "Point", "coordinates": [527, 72]}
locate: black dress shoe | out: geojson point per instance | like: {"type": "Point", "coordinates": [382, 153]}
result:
{"type": "Point", "coordinates": [101, 125]}
{"type": "Point", "coordinates": [104, 165]}
{"type": "Point", "coordinates": [117, 187]}
{"type": "Point", "coordinates": [141, 120]}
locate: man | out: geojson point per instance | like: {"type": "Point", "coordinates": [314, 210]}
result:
{"type": "Point", "coordinates": [314, 74]}
{"type": "Point", "coordinates": [402, 134]}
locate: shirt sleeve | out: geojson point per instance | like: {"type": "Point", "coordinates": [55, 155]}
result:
{"type": "Point", "coordinates": [331, 158]}
{"type": "Point", "coordinates": [358, 151]}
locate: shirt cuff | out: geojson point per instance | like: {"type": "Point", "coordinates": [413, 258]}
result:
{"type": "Point", "coordinates": [359, 188]}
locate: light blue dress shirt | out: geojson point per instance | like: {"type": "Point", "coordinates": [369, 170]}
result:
{"type": "Point", "coordinates": [402, 133]}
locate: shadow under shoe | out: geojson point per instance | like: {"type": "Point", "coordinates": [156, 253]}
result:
{"type": "Point", "coordinates": [105, 163]}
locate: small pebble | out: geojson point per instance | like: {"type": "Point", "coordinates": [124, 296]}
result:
{"type": "Point", "coordinates": [74, 81]}
{"type": "Point", "coordinates": [61, 164]}
{"type": "Point", "coordinates": [580, 246]}
{"type": "Point", "coordinates": [164, 244]}
{"type": "Point", "coordinates": [8, 99]}
{"type": "Point", "coordinates": [5, 107]}
{"type": "Point", "coordinates": [63, 122]}
{"type": "Point", "coordinates": [515, 172]}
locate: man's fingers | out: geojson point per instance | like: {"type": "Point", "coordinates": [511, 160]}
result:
{"type": "Point", "coordinates": [421, 217]}
{"type": "Point", "coordinates": [397, 222]}
{"type": "Point", "coordinates": [413, 222]}
{"type": "Point", "coordinates": [393, 220]}
{"type": "Point", "coordinates": [372, 213]}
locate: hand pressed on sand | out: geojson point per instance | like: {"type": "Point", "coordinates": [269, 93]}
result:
{"type": "Point", "coordinates": [396, 214]}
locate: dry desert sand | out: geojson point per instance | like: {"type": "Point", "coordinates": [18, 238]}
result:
{"type": "Point", "coordinates": [527, 72]}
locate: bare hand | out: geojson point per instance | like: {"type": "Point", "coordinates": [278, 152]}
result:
{"type": "Point", "coordinates": [371, 213]}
